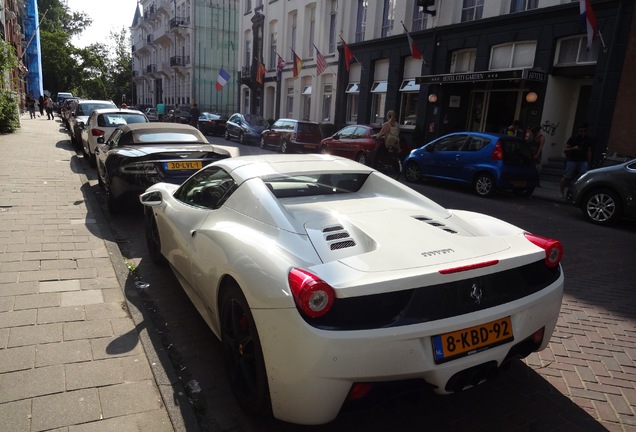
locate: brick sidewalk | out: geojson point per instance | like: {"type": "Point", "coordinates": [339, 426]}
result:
{"type": "Point", "coordinates": [71, 354]}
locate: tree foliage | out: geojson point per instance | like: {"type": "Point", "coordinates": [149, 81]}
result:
{"type": "Point", "coordinates": [98, 71]}
{"type": "Point", "coordinates": [9, 114]}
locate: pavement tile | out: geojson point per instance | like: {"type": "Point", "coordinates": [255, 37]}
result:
{"type": "Point", "coordinates": [82, 298]}
{"type": "Point", "coordinates": [62, 353]}
{"type": "Point", "coordinates": [36, 334]}
{"type": "Point", "coordinates": [42, 275]}
{"type": "Point", "coordinates": [58, 264]}
{"type": "Point", "coordinates": [87, 329]}
{"type": "Point", "coordinates": [19, 266]}
{"type": "Point", "coordinates": [20, 288]}
{"type": "Point", "coordinates": [61, 314]}
{"type": "Point", "coordinates": [151, 421]}
{"type": "Point", "coordinates": [106, 311]}
{"type": "Point", "coordinates": [6, 304]}
{"type": "Point", "coordinates": [100, 283]}
{"type": "Point", "coordinates": [37, 256]}
{"type": "Point", "coordinates": [605, 411]}
{"type": "Point", "coordinates": [30, 383]}
{"type": "Point", "coordinates": [122, 326]}
{"type": "Point", "coordinates": [113, 295]}
{"type": "Point", "coordinates": [65, 409]}
{"type": "Point", "coordinates": [4, 338]}
{"type": "Point", "coordinates": [9, 278]}
{"type": "Point", "coordinates": [59, 286]}
{"type": "Point", "coordinates": [15, 256]}
{"type": "Point", "coordinates": [129, 398]}
{"type": "Point", "coordinates": [18, 318]}
{"type": "Point", "coordinates": [136, 368]}
{"type": "Point", "coordinates": [33, 301]}
{"type": "Point", "coordinates": [620, 405]}
{"type": "Point", "coordinates": [120, 346]}
{"type": "Point", "coordinates": [16, 416]}
{"type": "Point", "coordinates": [15, 359]}
{"type": "Point", "coordinates": [97, 373]}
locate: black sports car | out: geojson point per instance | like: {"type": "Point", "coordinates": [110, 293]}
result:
{"type": "Point", "coordinates": [139, 155]}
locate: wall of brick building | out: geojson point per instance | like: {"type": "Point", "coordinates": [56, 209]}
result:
{"type": "Point", "coordinates": [622, 139]}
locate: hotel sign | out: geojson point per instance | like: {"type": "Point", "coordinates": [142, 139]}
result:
{"type": "Point", "coordinates": [507, 75]}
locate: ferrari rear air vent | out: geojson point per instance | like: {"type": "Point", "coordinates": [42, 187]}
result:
{"type": "Point", "coordinates": [435, 224]}
{"type": "Point", "coordinates": [337, 237]}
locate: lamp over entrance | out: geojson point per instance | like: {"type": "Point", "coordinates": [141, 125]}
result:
{"type": "Point", "coordinates": [531, 97]}
{"type": "Point", "coordinates": [432, 98]}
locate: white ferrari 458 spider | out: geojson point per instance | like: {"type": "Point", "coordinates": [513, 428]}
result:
{"type": "Point", "coordinates": [322, 277]}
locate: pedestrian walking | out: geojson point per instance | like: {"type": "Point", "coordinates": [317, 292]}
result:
{"type": "Point", "coordinates": [161, 111]}
{"type": "Point", "coordinates": [41, 105]}
{"type": "Point", "coordinates": [31, 105]}
{"type": "Point", "coordinates": [578, 155]}
{"type": "Point", "coordinates": [48, 104]}
{"type": "Point", "coordinates": [195, 113]}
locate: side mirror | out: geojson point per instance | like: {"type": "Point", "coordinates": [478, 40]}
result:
{"type": "Point", "coordinates": [336, 136]}
{"type": "Point", "coordinates": [151, 199]}
{"type": "Point", "coordinates": [81, 125]}
{"type": "Point", "coordinates": [100, 140]}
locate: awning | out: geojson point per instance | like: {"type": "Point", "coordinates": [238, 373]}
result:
{"type": "Point", "coordinates": [409, 85]}
{"type": "Point", "coordinates": [353, 88]}
{"type": "Point", "coordinates": [379, 87]}
{"type": "Point", "coordinates": [465, 77]}
{"type": "Point", "coordinates": [307, 90]}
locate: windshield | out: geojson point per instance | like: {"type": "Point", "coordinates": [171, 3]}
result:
{"type": "Point", "coordinates": [152, 137]}
{"type": "Point", "coordinates": [311, 184]}
{"type": "Point", "coordinates": [256, 120]}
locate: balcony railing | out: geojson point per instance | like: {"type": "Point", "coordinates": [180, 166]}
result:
{"type": "Point", "coordinates": [179, 22]}
{"type": "Point", "coordinates": [151, 68]}
{"type": "Point", "coordinates": [150, 39]}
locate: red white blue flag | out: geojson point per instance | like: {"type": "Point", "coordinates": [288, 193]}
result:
{"type": "Point", "coordinates": [222, 79]}
{"type": "Point", "coordinates": [588, 17]}
{"type": "Point", "coordinates": [321, 62]}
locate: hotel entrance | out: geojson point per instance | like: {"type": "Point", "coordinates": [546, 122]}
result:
{"type": "Point", "coordinates": [492, 110]}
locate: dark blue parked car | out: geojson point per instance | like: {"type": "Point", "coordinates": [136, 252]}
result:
{"type": "Point", "coordinates": [485, 161]}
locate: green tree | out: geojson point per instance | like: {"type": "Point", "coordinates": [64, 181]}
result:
{"type": "Point", "coordinates": [9, 113]}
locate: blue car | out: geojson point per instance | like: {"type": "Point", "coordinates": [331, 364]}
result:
{"type": "Point", "coordinates": [484, 161]}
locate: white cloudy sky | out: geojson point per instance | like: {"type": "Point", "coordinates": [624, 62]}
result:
{"type": "Point", "coordinates": [107, 15]}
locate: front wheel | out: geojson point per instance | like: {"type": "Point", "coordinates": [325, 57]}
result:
{"type": "Point", "coordinates": [242, 352]}
{"type": "Point", "coordinates": [484, 185]}
{"type": "Point", "coordinates": [242, 138]}
{"type": "Point", "coordinates": [412, 172]}
{"type": "Point", "coordinates": [153, 241]}
{"type": "Point", "coordinates": [227, 135]}
{"type": "Point", "coordinates": [602, 207]}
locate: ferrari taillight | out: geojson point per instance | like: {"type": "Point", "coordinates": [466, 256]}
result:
{"type": "Point", "coordinates": [313, 296]}
{"type": "Point", "coordinates": [553, 249]}
{"type": "Point", "coordinates": [97, 132]}
{"type": "Point", "coordinates": [497, 153]}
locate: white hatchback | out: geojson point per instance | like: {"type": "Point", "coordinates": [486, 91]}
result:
{"type": "Point", "coordinates": [101, 123]}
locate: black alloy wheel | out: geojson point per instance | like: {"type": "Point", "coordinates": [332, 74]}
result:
{"type": "Point", "coordinates": [242, 138]}
{"type": "Point", "coordinates": [243, 353]}
{"type": "Point", "coordinates": [263, 145]}
{"type": "Point", "coordinates": [227, 135]}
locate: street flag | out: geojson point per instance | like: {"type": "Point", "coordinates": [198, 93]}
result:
{"type": "Point", "coordinates": [348, 55]}
{"type": "Point", "coordinates": [415, 52]}
{"type": "Point", "coordinates": [260, 73]}
{"type": "Point", "coordinates": [298, 64]}
{"type": "Point", "coordinates": [279, 67]}
{"type": "Point", "coordinates": [321, 62]}
{"type": "Point", "coordinates": [222, 79]}
{"type": "Point", "coordinates": [589, 20]}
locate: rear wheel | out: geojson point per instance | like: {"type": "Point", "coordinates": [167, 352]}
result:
{"type": "Point", "coordinates": [602, 207]}
{"type": "Point", "coordinates": [242, 138]}
{"type": "Point", "coordinates": [412, 172]}
{"type": "Point", "coordinates": [242, 352]}
{"type": "Point", "coordinates": [484, 185]}
{"type": "Point", "coordinates": [227, 135]}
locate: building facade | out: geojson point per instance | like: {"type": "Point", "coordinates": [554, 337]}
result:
{"type": "Point", "coordinates": [178, 49]}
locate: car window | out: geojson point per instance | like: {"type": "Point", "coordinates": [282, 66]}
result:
{"type": "Point", "coordinates": [255, 120]}
{"type": "Point", "coordinates": [309, 128]}
{"type": "Point", "coordinates": [516, 149]}
{"type": "Point", "coordinates": [151, 137]}
{"type": "Point", "coordinates": [451, 143]}
{"type": "Point", "coordinates": [476, 143]}
{"type": "Point", "coordinates": [115, 138]}
{"type": "Point", "coordinates": [347, 132]}
{"type": "Point", "coordinates": [208, 188]}
{"type": "Point", "coordinates": [118, 119]}
{"type": "Point", "coordinates": [312, 184]}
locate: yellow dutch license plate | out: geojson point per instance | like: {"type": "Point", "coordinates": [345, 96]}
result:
{"type": "Point", "coordinates": [184, 165]}
{"type": "Point", "coordinates": [452, 345]}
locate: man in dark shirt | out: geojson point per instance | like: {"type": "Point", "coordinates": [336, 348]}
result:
{"type": "Point", "coordinates": [578, 155]}
{"type": "Point", "coordinates": [195, 113]}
